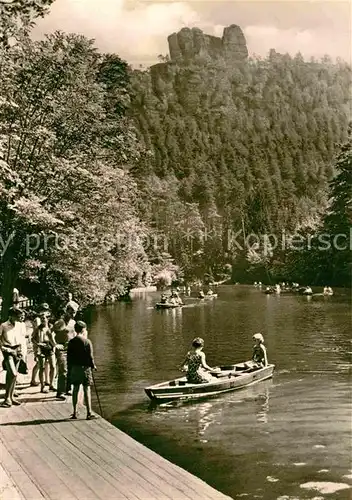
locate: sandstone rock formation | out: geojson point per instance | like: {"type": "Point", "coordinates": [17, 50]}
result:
{"type": "Point", "coordinates": [190, 42]}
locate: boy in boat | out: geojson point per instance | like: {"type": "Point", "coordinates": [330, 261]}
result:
{"type": "Point", "coordinates": [195, 364]}
{"type": "Point", "coordinates": [163, 299]}
{"type": "Point", "coordinates": [259, 351]}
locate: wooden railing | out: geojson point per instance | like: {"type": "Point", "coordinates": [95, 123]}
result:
{"type": "Point", "coordinates": [23, 303]}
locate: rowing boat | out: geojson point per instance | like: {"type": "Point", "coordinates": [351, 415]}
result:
{"type": "Point", "coordinates": [226, 378]}
{"type": "Point", "coordinates": [211, 296]}
{"type": "Point", "coordinates": [167, 305]}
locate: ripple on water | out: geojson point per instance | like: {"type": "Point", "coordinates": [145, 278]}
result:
{"type": "Point", "coordinates": [325, 487]}
{"type": "Point", "coordinates": [272, 479]}
{"type": "Point", "coordinates": [286, 497]}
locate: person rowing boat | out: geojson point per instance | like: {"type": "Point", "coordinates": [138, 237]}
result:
{"type": "Point", "coordinates": [203, 381]}
{"type": "Point", "coordinates": [198, 372]}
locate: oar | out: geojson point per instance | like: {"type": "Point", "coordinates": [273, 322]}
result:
{"type": "Point", "coordinates": [96, 392]}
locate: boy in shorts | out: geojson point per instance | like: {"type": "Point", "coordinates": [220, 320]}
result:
{"type": "Point", "coordinates": [80, 363]}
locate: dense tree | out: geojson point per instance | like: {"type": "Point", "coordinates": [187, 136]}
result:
{"type": "Point", "coordinates": [252, 142]}
{"type": "Point", "coordinates": [67, 202]}
{"type": "Point", "coordinates": [109, 175]}
{"type": "Point", "coordinates": [326, 254]}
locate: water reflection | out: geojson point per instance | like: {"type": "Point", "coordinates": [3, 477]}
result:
{"type": "Point", "coordinates": [308, 339]}
{"type": "Point", "coordinates": [201, 415]}
{"type": "Point", "coordinates": [263, 407]}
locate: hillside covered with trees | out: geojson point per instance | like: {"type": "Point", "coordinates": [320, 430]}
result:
{"type": "Point", "coordinates": [238, 145]}
{"type": "Point", "coordinates": [112, 177]}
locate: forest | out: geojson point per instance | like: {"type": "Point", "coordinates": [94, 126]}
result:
{"type": "Point", "coordinates": [245, 147]}
{"type": "Point", "coordinates": [112, 177]}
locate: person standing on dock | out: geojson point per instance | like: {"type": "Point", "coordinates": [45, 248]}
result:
{"type": "Point", "coordinates": [11, 343]}
{"type": "Point", "coordinates": [15, 296]}
{"type": "Point", "coordinates": [64, 331]}
{"type": "Point", "coordinates": [72, 304]}
{"type": "Point", "coordinates": [44, 343]}
{"type": "Point", "coordinates": [80, 362]}
{"type": "Point", "coordinates": [44, 308]}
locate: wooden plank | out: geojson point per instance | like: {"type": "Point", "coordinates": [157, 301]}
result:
{"type": "Point", "coordinates": [36, 460]}
{"type": "Point", "coordinates": [20, 478]}
{"type": "Point", "coordinates": [33, 457]}
{"type": "Point", "coordinates": [125, 471]}
{"type": "Point", "coordinates": [64, 465]}
{"type": "Point", "coordinates": [131, 464]}
{"type": "Point", "coordinates": [189, 486]}
{"type": "Point", "coordinates": [142, 450]}
{"type": "Point", "coordinates": [171, 473]}
{"type": "Point", "coordinates": [170, 489]}
{"type": "Point", "coordinates": [81, 464]}
{"type": "Point", "coordinates": [46, 455]}
{"type": "Point", "coordinates": [51, 450]}
{"type": "Point", "coordinates": [116, 467]}
{"type": "Point", "coordinates": [74, 442]}
{"type": "Point", "coordinates": [40, 471]}
{"type": "Point", "coordinates": [8, 491]}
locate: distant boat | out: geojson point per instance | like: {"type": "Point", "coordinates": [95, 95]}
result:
{"type": "Point", "coordinates": [167, 305]}
{"type": "Point", "coordinates": [323, 294]}
{"type": "Point", "coordinates": [226, 378]}
{"type": "Point", "coordinates": [217, 283]}
{"type": "Point", "coordinates": [211, 296]}
{"type": "Point", "coordinates": [272, 289]}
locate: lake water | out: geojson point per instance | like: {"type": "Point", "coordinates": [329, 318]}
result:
{"type": "Point", "coordinates": [287, 438]}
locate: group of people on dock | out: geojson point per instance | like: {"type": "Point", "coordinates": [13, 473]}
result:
{"type": "Point", "coordinates": [60, 347]}
{"type": "Point", "coordinates": [199, 372]}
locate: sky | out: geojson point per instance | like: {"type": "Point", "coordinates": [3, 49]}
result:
{"type": "Point", "coordinates": [137, 30]}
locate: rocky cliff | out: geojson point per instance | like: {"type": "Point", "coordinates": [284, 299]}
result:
{"type": "Point", "coordinates": [191, 42]}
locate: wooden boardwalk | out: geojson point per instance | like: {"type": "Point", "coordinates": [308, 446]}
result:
{"type": "Point", "coordinates": [43, 454]}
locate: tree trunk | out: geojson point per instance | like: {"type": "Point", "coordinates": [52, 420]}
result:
{"type": "Point", "coordinates": [9, 279]}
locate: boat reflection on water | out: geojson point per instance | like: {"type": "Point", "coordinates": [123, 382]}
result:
{"type": "Point", "coordinates": [203, 414]}
{"type": "Point", "coordinates": [262, 401]}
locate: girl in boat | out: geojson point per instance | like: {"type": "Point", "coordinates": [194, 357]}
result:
{"type": "Point", "coordinates": [259, 351]}
{"type": "Point", "coordinates": [195, 364]}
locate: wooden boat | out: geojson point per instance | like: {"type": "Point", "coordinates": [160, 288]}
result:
{"type": "Point", "coordinates": [212, 296]}
{"type": "Point", "coordinates": [226, 378]}
{"type": "Point", "coordinates": [323, 294]}
{"type": "Point", "coordinates": [167, 305]}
